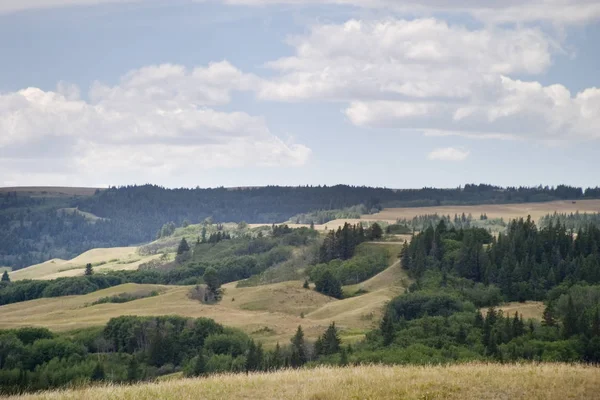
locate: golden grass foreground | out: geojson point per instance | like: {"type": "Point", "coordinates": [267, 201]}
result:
{"type": "Point", "coordinates": [465, 382]}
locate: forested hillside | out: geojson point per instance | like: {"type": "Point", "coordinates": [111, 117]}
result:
{"type": "Point", "coordinates": [33, 230]}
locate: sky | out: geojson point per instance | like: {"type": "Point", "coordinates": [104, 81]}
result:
{"type": "Point", "coordinates": [399, 94]}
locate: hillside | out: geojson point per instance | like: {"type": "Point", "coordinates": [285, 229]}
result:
{"type": "Point", "coordinates": [103, 260]}
{"type": "Point", "coordinates": [465, 382]}
{"type": "Point", "coordinates": [270, 313]}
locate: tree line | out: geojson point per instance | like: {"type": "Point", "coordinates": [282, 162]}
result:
{"type": "Point", "coordinates": [34, 230]}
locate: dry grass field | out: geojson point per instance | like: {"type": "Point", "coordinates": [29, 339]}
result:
{"type": "Point", "coordinates": [50, 191]}
{"type": "Point", "coordinates": [110, 259]}
{"type": "Point", "coordinates": [270, 313]}
{"type": "Point", "coordinates": [464, 382]}
{"type": "Point", "coordinates": [506, 211]}
{"type": "Point", "coordinates": [88, 216]}
{"type": "Point", "coordinates": [528, 309]}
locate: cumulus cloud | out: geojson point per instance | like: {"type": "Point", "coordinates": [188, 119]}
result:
{"type": "Point", "coordinates": [448, 154]}
{"type": "Point", "coordinates": [157, 122]}
{"type": "Point", "coordinates": [403, 58]}
{"type": "Point", "coordinates": [440, 79]}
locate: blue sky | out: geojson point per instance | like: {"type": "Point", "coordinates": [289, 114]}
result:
{"type": "Point", "coordinates": [292, 92]}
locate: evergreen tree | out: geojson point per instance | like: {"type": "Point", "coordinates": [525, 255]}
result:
{"type": "Point", "coordinates": [277, 360]}
{"type": "Point", "coordinates": [133, 369]}
{"type": "Point", "coordinates": [570, 321]}
{"type": "Point", "coordinates": [213, 285]}
{"type": "Point", "coordinates": [5, 277]}
{"type": "Point", "coordinates": [252, 358]}
{"type": "Point", "coordinates": [331, 340]}
{"type": "Point", "coordinates": [183, 247]}
{"type": "Point", "coordinates": [306, 285]}
{"type": "Point", "coordinates": [343, 357]}
{"type": "Point", "coordinates": [548, 318]}
{"type": "Point", "coordinates": [98, 372]}
{"type": "Point", "coordinates": [298, 356]}
{"type": "Point", "coordinates": [329, 285]}
{"type": "Point", "coordinates": [375, 232]}
{"type": "Point", "coordinates": [197, 365]}
{"type": "Point", "coordinates": [387, 328]}
{"type": "Point", "coordinates": [89, 270]}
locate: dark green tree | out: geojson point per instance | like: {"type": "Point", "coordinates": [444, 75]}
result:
{"type": "Point", "coordinates": [89, 270]}
{"type": "Point", "coordinates": [375, 232]}
{"type": "Point", "coordinates": [197, 366]}
{"type": "Point", "coordinates": [386, 328]}
{"type": "Point", "coordinates": [98, 372]}
{"type": "Point", "coordinates": [570, 320]}
{"type": "Point", "coordinates": [213, 285]}
{"type": "Point", "coordinates": [5, 277]}
{"type": "Point", "coordinates": [183, 247]}
{"type": "Point", "coordinates": [548, 318]}
{"type": "Point", "coordinates": [329, 285]}
{"type": "Point", "coordinates": [254, 357]}
{"type": "Point", "coordinates": [343, 357]}
{"type": "Point", "coordinates": [298, 357]}
{"type": "Point", "coordinates": [330, 340]}
{"type": "Point", "coordinates": [133, 370]}
{"type": "Point", "coordinates": [306, 285]}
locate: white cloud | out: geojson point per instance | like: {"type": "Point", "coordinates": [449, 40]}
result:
{"type": "Point", "coordinates": [158, 121]}
{"type": "Point", "coordinates": [410, 58]}
{"type": "Point", "coordinates": [442, 79]}
{"type": "Point", "coordinates": [448, 154]}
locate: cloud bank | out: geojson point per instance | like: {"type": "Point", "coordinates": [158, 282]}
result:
{"type": "Point", "coordinates": [158, 122]}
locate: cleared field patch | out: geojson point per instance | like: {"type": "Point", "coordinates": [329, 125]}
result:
{"type": "Point", "coordinates": [286, 297]}
{"type": "Point", "coordinates": [88, 216]}
{"type": "Point", "coordinates": [529, 309]}
{"type": "Point", "coordinates": [465, 382]}
{"type": "Point", "coordinates": [51, 191]}
{"type": "Point", "coordinates": [506, 211]}
{"type": "Point", "coordinates": [393, 277]}
{"type": "Point", "coordinates": [103, 260]}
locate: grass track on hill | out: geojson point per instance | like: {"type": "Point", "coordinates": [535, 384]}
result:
{"type": "Point", "coordinates": [465, 382]}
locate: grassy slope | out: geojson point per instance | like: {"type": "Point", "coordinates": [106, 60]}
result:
{"type": "Point", "coordinates": [114, 258]}
{"type": "Point", "coordinates": [468, 382]}
{"type": "Point", "coordinates": [270, 313]}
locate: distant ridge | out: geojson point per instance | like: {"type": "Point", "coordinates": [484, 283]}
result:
{"type": "Point", "coordinates": [52, 190]}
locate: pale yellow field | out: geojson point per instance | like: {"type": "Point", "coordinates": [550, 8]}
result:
{"type": "Point", "coordinates": [464, 382]}
{"type": "Point", "coordinates": [506, 211]}
{"type": "Point", "coordinates": [51, 190]}
{"type": "Point", "coordinates": [270, 313]}
{"type": "Point", "coordinates": [88, 216]}
{"type": "Point", "coordinates": [114, 259]}
{"type": "Point", "coordinates": [528, 309]}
